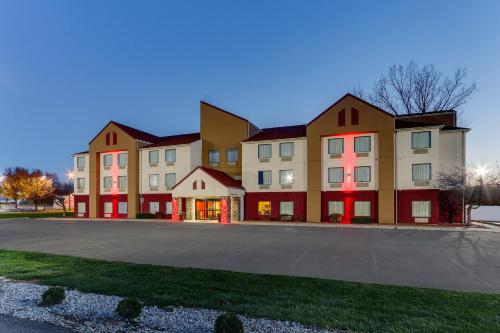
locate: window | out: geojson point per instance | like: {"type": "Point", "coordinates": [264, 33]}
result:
{"type": "Point", "coordinates": [286, 208]}
{"type": "Point", "coordinates": [232, 155]}
{"type": "Point", "coordinates": [154, 180]}
{"type": "Point", "coordinates": [335, 146]}
{"type": "Point", "coordinates": [286, 177]}
{"type": "Point", "coordinates": [286, 149]}
{"type": "Point", "coordinates": [122, 159]}
{"type": "Point", "coordinates": [80, 162]}
{"type": "Point", "coordinates": [213, 156]}
{"type": "Point", "coordinates": [265, 151]}
{"type": "Point", "coordinates": [362, 144]}
{"type": "Point", "coordinates": [80, 183]}
{"type": "Point", "coordinates": [122, 207]}
{"type": "Point", "coordinates": [108, 160]}
{"type": "Point", "coordinates": [264, 177]}
{"type": "Point", "coordinates": [108, 207]}
{"type": "Point", "coordinates": [82, 207]}
{"type": "Point", "coordinates": [421, 209]}
{"type": "Point", "coordinates": [421, 140]}
{"type": "Point", "coordinates": [361, 208]}
{"type": "Point", "coordinates": [335, 207]}
{"type": "Point", "coordinates": [122, 181]}
{"type": "Point", "coordinates": [169, 180]}
{"type": "Point", "coordinates": [107, 182]}
{"type": "Point", "coordinates": [421, 171]}
{"type": "Point", "coordinates": [154, 156]}
{"type": "Point", "coordinates": [354, 117]}
{"type": "Point", "coordinates": [168, 207]}
{"type": "Point", "coordinates": [362, 174]}
{"type": "Point", "coordinates": [170, 155]}
{"type": "Point", "coordinates": [341, 118]}
{"type": "Point", "coordinates": [154, 207]}
{"type": "Point", "coordinates": [264, 207]}
{"type": "Point", "coordinates": [336, 175]}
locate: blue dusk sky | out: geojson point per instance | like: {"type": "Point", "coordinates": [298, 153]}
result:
{"type": "Point", "coordinates": [68, 67]}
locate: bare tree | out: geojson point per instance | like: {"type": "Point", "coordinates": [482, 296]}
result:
{"type": "Point", "coordinates": [62, 190]}
{"type": "Point", "coordinates": [414, 89]}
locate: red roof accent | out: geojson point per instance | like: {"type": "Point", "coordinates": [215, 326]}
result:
{"type": "Point", "coordinates": [173, 140]}
{"type": "Point", "coordinates": [219, 176]}
{"type": "Point", "coordinates": [284, 132]}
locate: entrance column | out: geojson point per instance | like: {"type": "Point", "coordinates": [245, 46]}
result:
{"type": "Point", "coordinates": [225, 209]}
{"type": "Point", "coordinates": [175, 209]}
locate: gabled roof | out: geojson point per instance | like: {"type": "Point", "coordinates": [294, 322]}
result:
{"type": "Point", "coordinates": [133, 132]}
{"type": "Point", "coordinates": [220, 176]}
{"type": "Point", "coordinates": [225, 111]}
{"type": "Point", "coordinates": [81, 153]}
{"type": "Point", "coordinates": [283, 132]}
{"type": "Point", "coordinates": [173, 140]}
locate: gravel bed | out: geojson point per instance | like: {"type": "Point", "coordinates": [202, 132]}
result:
{"type": "Point", "coordinates": [86, 312]}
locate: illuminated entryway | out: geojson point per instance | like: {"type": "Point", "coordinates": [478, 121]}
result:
{"type": "Point", "coordinates": [207, 209]}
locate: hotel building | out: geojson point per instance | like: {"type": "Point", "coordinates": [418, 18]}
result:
{"type": "Point", "coordinates": [354, 161]}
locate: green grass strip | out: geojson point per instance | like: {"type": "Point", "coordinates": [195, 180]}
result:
{"type": "Point", "coordinates": [11, 215]}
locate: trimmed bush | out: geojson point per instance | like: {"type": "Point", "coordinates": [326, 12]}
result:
{"type": "Point", "coordinates": [286, 217]}
{"type": "Point", "coordinates": [129, 308]}
{"type": "Point", "coordinates": [159, 215]}
{"type": "Point", "coordinates": [228, 323]}
{"type": "Point", "coordinates": [144, 216]}
{"type": "Point", "coordinates": [53, 296]}
{"type": "Point", "coordinates": [335, 218]}
{"type": "Point", "coordinates": [361, 220]}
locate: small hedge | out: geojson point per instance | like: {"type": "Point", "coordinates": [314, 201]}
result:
{"type": "Point", "coordinates": [144, 216]}
{"type": "Point", "coordinates": [228, 323]}
{"type": "Point", "coordinates": [129, 308]}
{"type": "Point", "coordinates": [53, 296]}
{"type": "Point", "coordinates": [361, 220]}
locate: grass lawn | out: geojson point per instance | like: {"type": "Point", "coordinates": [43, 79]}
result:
{"type": "Point", "coordinates": [316, 302]}
{"type": "Point", "coordinates": [9, 215]}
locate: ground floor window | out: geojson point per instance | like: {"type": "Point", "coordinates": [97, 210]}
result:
{"type": "Point", "coordinates": [264, 207]}
{"type": "Point", "coordinates": [82, 207]}
{"type": "Point", "coordinates": [154, 207]}
{"type": "Point", "coordinates": [122, 207]}
{"type": "Point", "coordinates": [286, 208]}
{"type": "Point", "coordinates": [421, 209]}
{"type": "Point", "coordinates": [168, 207]}
{"type": "Point", "coordinates": [108, 207]}
{"type": "Point", "coordinates": [361, 208]}
{"type": "Point", "coordinates": [335, 207]}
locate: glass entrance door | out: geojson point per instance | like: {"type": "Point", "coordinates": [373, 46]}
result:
{"type": "Point", "coordinates": [207, 209]}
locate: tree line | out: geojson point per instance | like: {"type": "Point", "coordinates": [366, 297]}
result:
{"type": "Point", "coordinates": [42, 188]}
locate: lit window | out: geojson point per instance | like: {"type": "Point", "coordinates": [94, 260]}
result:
{"type": "Point", "coordinates": [82, 207]}
{"type": "Point", "coordinates": [107, 182]}
{"type": "Point", "coordinates": [336, 146]}
{"type": "Point", "coordinates": [264, 207]}
{"type": "Point", "coordinates": [122, 159]}
{"type": "Point", "coordinates": [80, 162]}
{"type": "Point", "coordinates": [154, 156]}
{"type": "Point", "coordinates": [362, 144]}
{"type": "Point", "coordinates": [286, 208]}
{"type": "Point", "coordinates": [336, 175]}
{"type": "Point", "coordinates": [361, 208]}
{"type": "Point", "coordinates": [286, 177]}
{"type": "Point", "coordinates": [154, 207]}
{"type": "Point", "coordinates": [264, 177]}
{"type": "Point", "coordinates": [108, 207]}
{"type": "Point", "coordinates": [170, 180]}
{"type": "Point", "coordinates": [286, 149]}
{"type": "Point", "coordinates": [421, 209]}
{"type": "Point", "coordinates": [122, 207]}
{"type": "Point", "coordinates": [421, 171]}
{"type": "Point", "coordinates": [154, 180]}
{"type": "Point", "coordinates": [168, 207]}
{"type": "Point", "coordinates": [335, 207]}
{"type": "Point", "coordinates": [421, 140]}
{"type": "Point", "coordinates": [265, 151]}
{"type": "Point", "coordinates": [362, 174]}
{"type": "Point", "coordinates": [170, 155]}
{"type": "Point", "coordinates": [213, 156]}
{"type": "Point", "coordinates": [122, 181]}
{"type": "Point", "coordinates": [80, 183]}
{"type": "Point", "coordinates": [108, 160]}
{"type": "Point", "coordinates": [232, 155]}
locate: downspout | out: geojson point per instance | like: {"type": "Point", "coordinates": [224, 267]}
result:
{"type": "Point", "coordinates": [140, 177]}
{"type": "Point", "coordinates": [463, 168]}
{"type": "Point", "coordinates": [396, 176]}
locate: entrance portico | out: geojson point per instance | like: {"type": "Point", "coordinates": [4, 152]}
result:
{"type": "Point", "coordinates": [208, 195]}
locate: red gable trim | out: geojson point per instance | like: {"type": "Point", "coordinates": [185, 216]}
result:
{"type": "Point", "coordinates": [219, 176]}
{"type": "Point", "coordinates": [134, 133]}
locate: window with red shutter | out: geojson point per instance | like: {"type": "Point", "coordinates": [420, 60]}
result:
{"type": "Point", "coordinates": [195, 185]}
{"type": "Point", "coordinates": [354, 117]}
{"type": "Point", "coordinates": [107, 139]}
{"type": "Point", "coordinates": [115, 138]}
{"type": "Point", "coordinates": [342, 117]}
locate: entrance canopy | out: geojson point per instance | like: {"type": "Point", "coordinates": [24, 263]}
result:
{"type": "Point", "coordinates": [205, 182]}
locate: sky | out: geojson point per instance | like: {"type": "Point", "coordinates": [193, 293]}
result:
{"type": "Point", "coordinates": [68, 67]}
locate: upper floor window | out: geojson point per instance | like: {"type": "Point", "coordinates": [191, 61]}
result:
{"type": "Point", "coordinates": [264, 177]}
{"type": "Point", "coordinates": [421, 171]}
{"type": "Point", "coordinates": [421, 140]}
{"type": "Point", "coordinates": [362, 144]}
{"type": "Point", "coordinates": [362, 174]}
{"type": "Point", "coordinates": [336, 146]}
{"type": "Point", "coordinates": [107, 182]}
{"type": "Point", "coordinates": [154, 156]}
{"type": "Point", "coordinates": [170, 155]}
{"type": "Point", "coordinates": [286, 149]}
{"type": "Point", "coordinates": [154, 180]}
{"type": "Point", "coordinates": [286, 177]}
{"type": "Point", "coordinates": [264, 151]}
{"type": "Point", "coordinates": [122, 159]}
{"type": "Point", "coordinates": [213, 156]}
{"type": "Point", "coordinates": [122, 181]}
{"type": "Point", "coordinates": [336, 175]}
{"type": "Point", "coordinates": [421, 209]}
{"type": "Point", "coordinates": [108, 160]}
{"type": "Point", "coordinates": [170, 180]}
{"type": "Point", "coordinates": [80, 162]}
{"type": "Point", "coordinates": [80, 183]}
{"type": "Point", "coordinates": [232, 155]}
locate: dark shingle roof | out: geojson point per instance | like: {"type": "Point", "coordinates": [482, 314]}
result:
{"type": "Point", "coordinates": [137, 134]}
{"type": "Point", "coordinates": [284, 132]}
{"type": "Point", "coordinates": [175, 140]}
{"type": "Point", "coordinates": [220, 176]}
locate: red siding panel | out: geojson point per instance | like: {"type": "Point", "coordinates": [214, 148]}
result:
{"type": "Point", "coordinates": [161, 198]}
{"type": "Point", "coordinates": [114, 198]}
{"type": "Point", "coordinates": [348, 197]}
{"type": "Point", "coordinates": [81, 198]}
{"type": "Point", "coordinates": [299, 204]}
{"type": "Point", "coordinates": [405, 198]}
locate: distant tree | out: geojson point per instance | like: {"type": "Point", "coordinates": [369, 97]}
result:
{"type": "Point", "coordinates": [12, 185]}
{"type": "Point", "coordinates": [414, 89]}
{"type": "Point", "coordinates": [37, 187]}
{"type": "Point", "coordinates": [61, 191]}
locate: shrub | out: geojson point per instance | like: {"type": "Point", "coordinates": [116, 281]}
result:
{"type": "Point", "coordinates": [159, 215]}
{"type": "Point", "coordinates": [144, 216]}
{"type": "Point", "coordinates": [361, 220]}
{"type": "Point", "coordinates": [53, 296]}
{"type": "Point", "coordinates": [129, 308]}
{"type": "Point", "coordinates": [228, 323]}
{"type": "Point", "coordinates": [286, 217]}
{"type": "Point", "coordinates": [335, 218]}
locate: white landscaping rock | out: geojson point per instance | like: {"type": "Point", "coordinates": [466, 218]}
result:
{"type": "Point", "coordinates": [85, 312]}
